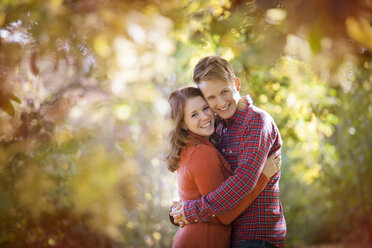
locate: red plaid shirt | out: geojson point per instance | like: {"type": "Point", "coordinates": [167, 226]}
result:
{"type": "Point", "coordinates": [249, 137]}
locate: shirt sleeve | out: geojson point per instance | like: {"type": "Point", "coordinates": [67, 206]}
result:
{"type": "Point", "coordinates": [254, 148]}
{"type": "Point", "coordinates": [243, 204]}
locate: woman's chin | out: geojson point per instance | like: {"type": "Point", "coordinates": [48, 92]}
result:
{"type": "Point", "coordinates": [209, 133]}
{"type": "Point", "coordinates": [204, 134]}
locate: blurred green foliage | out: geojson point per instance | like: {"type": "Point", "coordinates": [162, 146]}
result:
{"type": "Point", "coordinates": [83, 89]}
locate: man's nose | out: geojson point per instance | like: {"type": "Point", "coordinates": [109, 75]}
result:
{"type": "Point", "coordinates": [220, 101]}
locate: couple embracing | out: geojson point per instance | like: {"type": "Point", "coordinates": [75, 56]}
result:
{"type": "Point", "coordinates": [226, 153]}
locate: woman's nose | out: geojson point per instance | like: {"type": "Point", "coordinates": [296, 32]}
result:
{"type": "Point", "coordinates": [204, 116]}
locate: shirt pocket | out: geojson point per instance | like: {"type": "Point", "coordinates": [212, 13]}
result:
{"type": "Point", "coordinates": [230, 152]}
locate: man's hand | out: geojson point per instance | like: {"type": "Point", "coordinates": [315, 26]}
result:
{"type": "Point", "coordinates": [178, 214]}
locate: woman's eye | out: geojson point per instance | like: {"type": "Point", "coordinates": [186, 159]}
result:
{"type": "Point", "coordinates": [206, 107]}
{"type": "Point", "coordinates": [193, 115]}
{"type": "Point", "coordinates": [225, 91]}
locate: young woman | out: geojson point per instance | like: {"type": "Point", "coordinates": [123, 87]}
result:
{"type": "Point", "coordinates": [201, 168]}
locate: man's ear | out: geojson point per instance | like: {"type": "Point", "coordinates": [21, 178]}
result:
{"type": "Point", "coordinates": [237, 83]}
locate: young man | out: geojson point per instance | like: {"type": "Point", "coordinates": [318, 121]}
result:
{"type": "Point", "coordinates": [248, 138]}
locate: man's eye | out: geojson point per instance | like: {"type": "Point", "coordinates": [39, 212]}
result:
{"type": "Point", "coordinates": [225, 91]}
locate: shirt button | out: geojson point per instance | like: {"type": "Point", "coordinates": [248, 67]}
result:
{"type": "Point", "coordinates": [223, 150]}
{"type": "Point", "coordinates": [213, 215]}
{"type": "Point", "coordinates": [196, 221]}
{"type": "Point", "coordinates": [230, 152]}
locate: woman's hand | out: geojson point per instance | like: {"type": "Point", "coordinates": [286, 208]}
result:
{"type": "Point", "coordinates": [273, 164]}
{"type": "Point", "coordinates": [178, 214]}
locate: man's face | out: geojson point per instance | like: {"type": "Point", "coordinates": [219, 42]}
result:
{"type": "Point", "coordinates": [221, 96]}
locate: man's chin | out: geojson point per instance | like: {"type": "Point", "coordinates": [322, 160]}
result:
{"type": "Point", "coordinates": [226, 116]}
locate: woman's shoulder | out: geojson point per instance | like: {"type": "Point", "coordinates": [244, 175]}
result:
{"type": "Point", "coordinates": [192, 153]}
{"type": "Point", "coordinates": [202, 150]}
{"type": "Point", "coordinates": [198, 154]}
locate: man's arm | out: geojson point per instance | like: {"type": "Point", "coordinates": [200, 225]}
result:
{"type": "Point", "coordinates": [272, 166]}
{"type": "Point", "coordinates": [254, 149]}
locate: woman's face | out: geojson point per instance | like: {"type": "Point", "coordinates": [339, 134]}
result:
{"type": "Point", "coordinates": [199, 118]}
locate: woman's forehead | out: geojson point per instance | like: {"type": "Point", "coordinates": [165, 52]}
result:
{"type": "Point", "coordinates": [194, 103]}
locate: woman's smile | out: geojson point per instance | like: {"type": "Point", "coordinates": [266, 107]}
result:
{"type": "Point", "coordinates": [199, 117]}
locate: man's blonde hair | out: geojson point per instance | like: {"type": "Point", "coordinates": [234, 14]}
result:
{"type": "Point", "coordinates": [213, 67]}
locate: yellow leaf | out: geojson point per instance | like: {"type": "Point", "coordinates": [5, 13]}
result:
{"type": "Point", "coordinates": [62, 136]}
{"type": "Point", "coordinates": [122, 112]}
{"type": "Point", "coordinates": [55, 4]}
{"type": "Point", "coordinates": [2, 18]}
{"type": "Point", "coordinates": [148, 196]}
{"type": "Point", "coordinates": [194, 7]}
{"type": "Point", "coordinates": [145, 94]}
{"type": "Point", "coordinates": [275, 16]}
{"type": "Point", "coordinates": [360, 31]}
{"type": "Point", "coordinates": [51, 242]}
{"type": "Point", "coordinates": [276, 86]}
{"type": "Point", "coordinates": [228, 54]}
{"type": "Point", "coordinates": [29, 189]}
{"type": "Point", "coordinates": [101, 46]}
{"type": "Point", "coordinates": [155, 162]}
{"type": "Point", "coordinates": [263, 98]}
{"type": "Point", "coordinates": [156, 235]}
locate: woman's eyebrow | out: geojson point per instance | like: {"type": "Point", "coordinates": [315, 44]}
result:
{"type": "Point", "coordinates": [192, 112]}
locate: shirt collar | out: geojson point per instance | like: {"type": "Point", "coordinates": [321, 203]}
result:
{"type": "Point", "coordinates": [243, 105]}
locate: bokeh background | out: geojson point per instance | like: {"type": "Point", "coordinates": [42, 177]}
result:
{"type": "Point", "coordinates": [83, 89]}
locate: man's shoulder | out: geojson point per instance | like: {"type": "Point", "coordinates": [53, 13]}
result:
{"type": "Point", "coordinates": [256, 115]}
